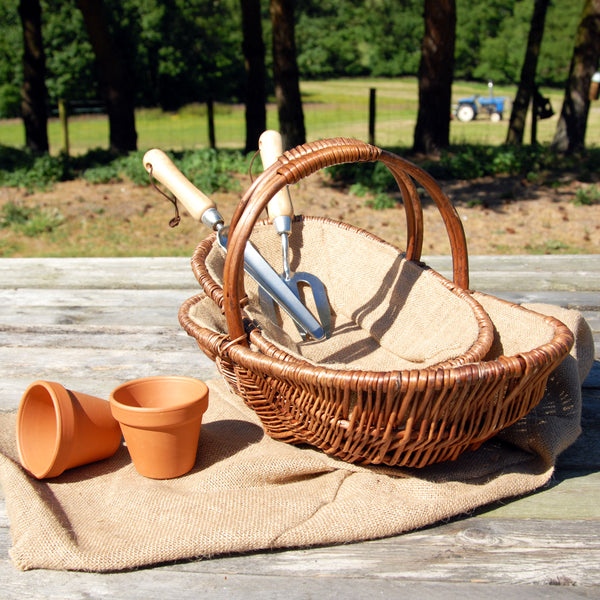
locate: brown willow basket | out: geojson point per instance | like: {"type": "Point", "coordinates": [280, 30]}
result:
{"type": "Point", "coordinates": [409, 416]}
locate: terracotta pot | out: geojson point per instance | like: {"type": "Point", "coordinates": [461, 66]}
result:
{"type": "Point", "coordinates": [58, 429]}
{"type": "Point", "coordinates": [160, 418]}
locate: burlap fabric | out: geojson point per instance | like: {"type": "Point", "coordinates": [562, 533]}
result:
{"type": "Point", "coordinates": [248, 492]}
{"type": "Point", "coordinates": [388, 313]}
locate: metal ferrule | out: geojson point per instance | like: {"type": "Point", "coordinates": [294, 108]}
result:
{"type": "Point", "coordinates": [212, 218]}
{"type": "Point", "coordinates": [283, 224]}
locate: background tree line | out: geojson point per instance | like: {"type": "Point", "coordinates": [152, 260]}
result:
{"type": "Point", "coordinates": [169, 53]}
{"type": "Point", "coordinates": [183, 52]}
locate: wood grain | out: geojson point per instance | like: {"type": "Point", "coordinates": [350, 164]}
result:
{"type": "Point", "coordinates": [93, 323]}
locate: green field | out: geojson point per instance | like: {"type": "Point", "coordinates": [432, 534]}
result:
{"type": "Point", "coordinates": [331, 108]}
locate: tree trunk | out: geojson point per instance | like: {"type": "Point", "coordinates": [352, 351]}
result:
{"type": "Point", "coordinates": [254, 55]}
{"type": "Point", "coordinates": [115, 80]}
{"type": "Point", "coordinates": [285, 74]}
{"type": "Point", "coordinates": [432, 131]}
{"type": "Point", "coordinates": [33, 92]}
{"type": "Point", "coordinates": [570, 131]}
{"type": "Point", "coordinates": [527, 81]}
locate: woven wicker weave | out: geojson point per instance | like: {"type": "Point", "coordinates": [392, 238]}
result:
{"type": "Point", "coordinates": [410, 417]}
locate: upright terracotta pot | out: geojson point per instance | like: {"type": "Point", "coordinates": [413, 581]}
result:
{"type": "Point", "coordinates": [160, 418]}
{"type": "Point", "coordinates": [58, 429]}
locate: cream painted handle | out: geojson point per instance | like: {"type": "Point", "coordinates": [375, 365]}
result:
{"type": "Point", "coordinates": [160, 166]}
{"type": "Point", "coordinates": [271, 148]}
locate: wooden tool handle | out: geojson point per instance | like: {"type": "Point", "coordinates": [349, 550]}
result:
{"type": "Point", "coordinates": [160, 166]}
{"type": "Point", "coordinates": [271, 148]}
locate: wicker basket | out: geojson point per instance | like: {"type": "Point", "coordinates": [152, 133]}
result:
{"type": "Point", "coordinates": [421, 412]}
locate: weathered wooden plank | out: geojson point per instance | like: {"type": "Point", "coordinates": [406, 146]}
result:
{"type": "Point", "coordinates": [233, 586]}
{"type": "Point", "coordinates": [134, 337]}
{"type": "Point", "coordinates": [116, 307]}
{"type": "Point", "coordinates": [568, 263]}
{"type": "Point", "coordinates": [523, 280]}
{"type": "Point", "coordinates": [19, 298]}
{"type": "Point", "coordinates": [493, 273]}
{"type": "Point", "coordinates": [123, 298]}
{"type": "Point", "coordinates": [95, 371]}
{"type": "Point", "coordinates": [581, 300]}
{"type": "Point", "coordinates": [473, 550]}
{"type": "Point", "coordinates": [570, 495]}
{"type": "Point", "coordinates": [97, 273]}
{"type": "Point", "coordinates": [112, 307]}
{"type": "Point", "coordinates": [497, 273]}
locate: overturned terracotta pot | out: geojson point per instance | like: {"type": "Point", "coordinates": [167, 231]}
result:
{"type": "Point", "coordinates": [160, 418]}
{"type": "Point", "coordinates": [58, 429]}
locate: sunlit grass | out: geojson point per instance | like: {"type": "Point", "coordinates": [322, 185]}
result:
{"type": "Point", "coordinates": [331, 108]}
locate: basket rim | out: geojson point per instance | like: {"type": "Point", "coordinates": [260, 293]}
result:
{"type": "Point", "coordinates": [281, 364]}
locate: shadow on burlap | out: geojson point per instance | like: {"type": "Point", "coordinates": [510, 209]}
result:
{"type": "Point", "coordinates": [248, 492]}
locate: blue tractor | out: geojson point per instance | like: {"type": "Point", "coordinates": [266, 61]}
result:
{"type": "Point", "coordinates": [468, 108]}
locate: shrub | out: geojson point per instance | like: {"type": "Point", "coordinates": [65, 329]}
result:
{"type": "Point", "coordinates": [381, 201]}
{"type": "Point", "coordinates": [210, 170]}
{"type": "Point", "coordinates": [587, 196]}
{"type": "Point", "coordinates": [35, 172]}
{"type": "Point", "coordinates": [30, 221]}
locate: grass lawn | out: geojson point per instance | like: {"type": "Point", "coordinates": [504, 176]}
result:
{"type": "Point", "coordinates": [109, 209]}
{"type": "Point", "coordinates": [331, 108]}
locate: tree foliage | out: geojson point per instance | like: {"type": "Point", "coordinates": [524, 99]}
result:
{"type": "Point", "coordinates": [345, 38]}
{"type": "Point", "coordinates": [491, 39]}
{"type": "Point", "coordinates": [11, 66]}
{"type": "Point", "coordinates": [184, 51]}
{"type": "Point", "coordinates": [69, 54]}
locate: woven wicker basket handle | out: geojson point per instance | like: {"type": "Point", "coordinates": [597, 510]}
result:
{"type": "Point", "coordinates": [302, 161]}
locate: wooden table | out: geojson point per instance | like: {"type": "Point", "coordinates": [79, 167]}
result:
{"type": "Point", "coordinates": [93, 323]}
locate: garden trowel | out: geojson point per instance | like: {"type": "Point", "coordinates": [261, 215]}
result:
{"type": "Point", "coordinates": [203, 209]}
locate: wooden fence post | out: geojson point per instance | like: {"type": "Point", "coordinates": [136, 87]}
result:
{"type": "Point", "coordinates": [211, 123]}
{"type": "Point", "coordinates": [372, 111]}
{"type": "Point", "coordinates": [533, 123]}
{"type": "Point", "coordinates": [64, 124]}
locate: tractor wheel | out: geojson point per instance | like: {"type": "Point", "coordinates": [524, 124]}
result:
{"type": "Point", "coordinates": [465, 113]}
{"type": "Point", "coordinates": [495, 117]}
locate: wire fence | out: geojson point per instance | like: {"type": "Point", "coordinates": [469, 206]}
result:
{"type": "Point", "coordinates": [383, 112]}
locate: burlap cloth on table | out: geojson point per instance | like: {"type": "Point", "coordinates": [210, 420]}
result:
{"type": "Point", "coordinates": [248, 492]}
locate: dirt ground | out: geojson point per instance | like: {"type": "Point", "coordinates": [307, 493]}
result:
{"type": "Point", "coordinates": [504, 215]}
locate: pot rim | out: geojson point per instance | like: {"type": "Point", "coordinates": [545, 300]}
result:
{"type": "Point", "coordinates": [64, 421]}
{"type": "Point", "coordinates": [157, 416]}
